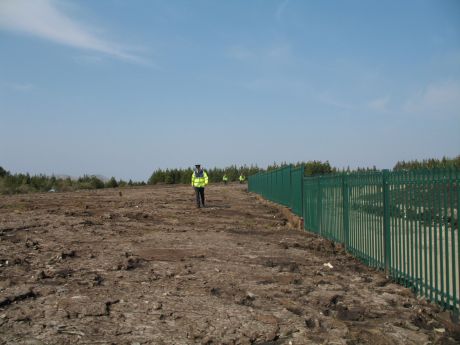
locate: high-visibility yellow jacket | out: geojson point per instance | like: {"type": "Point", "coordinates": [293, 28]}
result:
{"type": "Point", "coordinates": [242, 178]}
{"type": "Point", "coordinates": [199, 178]}
{"type": "Point", "coordinates": [225, 178]}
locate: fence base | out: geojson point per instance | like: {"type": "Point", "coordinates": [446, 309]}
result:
{"type": "Point", "coordinates": [293, 221]}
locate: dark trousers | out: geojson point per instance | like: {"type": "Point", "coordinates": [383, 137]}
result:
{"type": "Point", "coordinates": [199, 192]}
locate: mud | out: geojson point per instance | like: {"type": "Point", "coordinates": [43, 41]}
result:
{"type": "Point", "coordinates": [144, 266]}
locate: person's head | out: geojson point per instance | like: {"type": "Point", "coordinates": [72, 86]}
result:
{"type": "Point", "coordinates": [197, 166]}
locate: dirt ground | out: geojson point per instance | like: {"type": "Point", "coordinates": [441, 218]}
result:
{"type": "Point", "coordinates": [145, 266]}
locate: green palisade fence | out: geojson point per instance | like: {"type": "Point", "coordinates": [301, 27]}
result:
{"type": "Point", "coordinates": [405, 223]}
{"type": "Point", "coordinates": [296, 192]}
{"type": "Point", "coordinates": [311, 199]}
{"type": "Point", "coordinates": [366, 217]}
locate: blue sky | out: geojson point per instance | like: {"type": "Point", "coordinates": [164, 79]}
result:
{"type": "Point", "coordinates": [122, 87]}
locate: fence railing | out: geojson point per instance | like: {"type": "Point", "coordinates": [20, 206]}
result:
{"type": "Point", "coordinates": [405, 223]}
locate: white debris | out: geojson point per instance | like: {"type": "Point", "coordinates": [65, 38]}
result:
{"type": "Point", "coordinates": [328, 264]}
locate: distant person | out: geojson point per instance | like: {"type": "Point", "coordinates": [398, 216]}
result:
{"type": "Point", "coordinates": [225, 178]}
{"type": "Point", "coordinates": [242, 178]}
{"type": "Point", "coordinates": [199, 181]}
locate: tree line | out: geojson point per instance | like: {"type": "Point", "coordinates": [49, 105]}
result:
{"type": "Point", "coordinates": [233, 172]}
{"type": "Point", "coordinates": [174, 176]}
{"type": "Point", "coordinates": [432, 163]}
{"type": "Point", "coordinates": [26, 183]}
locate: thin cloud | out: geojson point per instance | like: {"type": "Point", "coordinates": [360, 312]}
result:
{"type": "Point", "coordinates": [328, 99]}
{"type": "Point", "coordinates": [379, 104]}
{"type": "Point", "coordinates": [280, 52]}
{"type": "Point", "coordinates": [42, 18]}
{"type": "Point", "coordinates": [240, 53]}
{"type": "Point", "coordinates": [276, 53]}
{"type": "Point", "coordinates": [280, 10]}
{"type": "Point", "coordinates": [20, 87]}
{"type": "Point", "coordinates": [437, 99]}
{"type": "Point", "coordinates": [88, 59]}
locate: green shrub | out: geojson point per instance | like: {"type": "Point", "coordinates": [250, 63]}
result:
{"type": "Point", "coordinates": [112, 183]}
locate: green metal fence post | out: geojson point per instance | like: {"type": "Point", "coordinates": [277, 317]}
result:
{"type": "Point", "coordinates": [456, 297]}
{"type": "Point", "coordinates": [386, 222]}
{"type": "Point", "coordinates": [346, 211]}
{"type": "Point", "coordinates": [288, 198]}
{"type": "Point", "coordinates": [319, 206]}
{"type": "Point", "coordinates": [301, 198]}
{"type": "Point", "coordinates": [291, 193]}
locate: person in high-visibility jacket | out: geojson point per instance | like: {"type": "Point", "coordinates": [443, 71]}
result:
{"type": "Point", "coordinates": [199, 181]}
{"type": "Point", "coordinates": [225, 178]}
{"type": "Point", "coordinates": [242, 178]}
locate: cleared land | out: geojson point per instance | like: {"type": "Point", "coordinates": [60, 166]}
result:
{"type": "Point", "coordinates": [144, 266]}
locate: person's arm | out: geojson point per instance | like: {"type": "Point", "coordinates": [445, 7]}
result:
{"type": "Point", "coordinates": [193, 179]}
{"type": "Point", "coordinates": [205, 178]}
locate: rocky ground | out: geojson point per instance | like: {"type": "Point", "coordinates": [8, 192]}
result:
{"type": "Point", "coordinates": [144, 266]}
